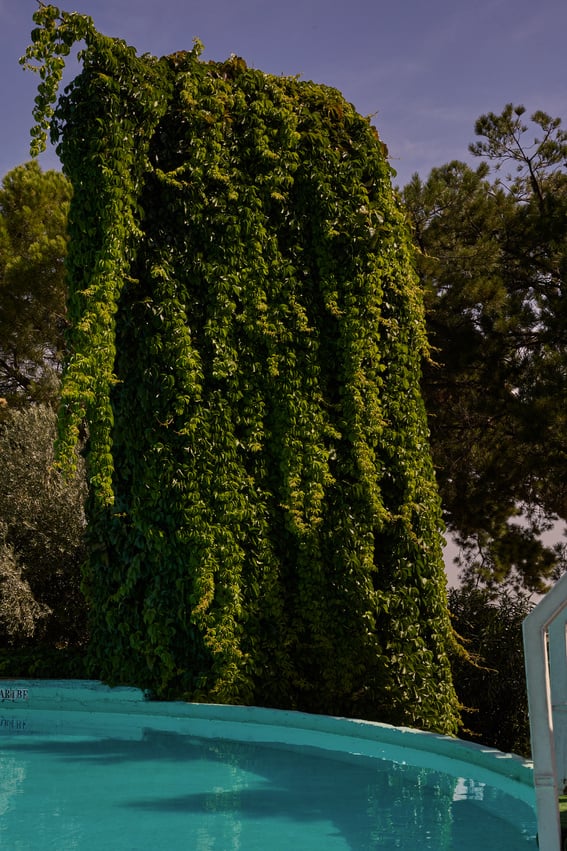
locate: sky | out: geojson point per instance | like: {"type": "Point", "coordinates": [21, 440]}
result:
{"type": "Point", "coordinates": [424, 69]}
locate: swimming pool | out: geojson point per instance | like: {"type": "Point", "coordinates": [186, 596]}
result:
{"type": "Point", "coordinates": [86, 767]}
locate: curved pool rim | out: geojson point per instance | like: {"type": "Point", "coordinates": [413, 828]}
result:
{"type": "Point", "coordinates": [79, 702]}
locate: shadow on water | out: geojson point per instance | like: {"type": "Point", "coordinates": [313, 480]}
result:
{"type": "Point", "coordinates": [369, 803]}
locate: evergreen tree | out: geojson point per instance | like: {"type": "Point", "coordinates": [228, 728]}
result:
{"type": "Point", "coordinates": [492, 264]}
{"type": "Point", "coordinates": [33, 216]}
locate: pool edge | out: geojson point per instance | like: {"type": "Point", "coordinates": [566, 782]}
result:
{"type": "Point", "coordinates": [95, 697]}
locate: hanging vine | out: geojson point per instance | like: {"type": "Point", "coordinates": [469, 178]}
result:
{"type": "Point", "coordinates": [245, 347]}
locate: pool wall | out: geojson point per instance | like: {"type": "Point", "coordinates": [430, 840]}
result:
{"type": "Point", "coordinates": [72, 704]}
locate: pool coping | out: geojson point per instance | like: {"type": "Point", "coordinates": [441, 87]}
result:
{"type": "Point", "coordinates": [131, 706]}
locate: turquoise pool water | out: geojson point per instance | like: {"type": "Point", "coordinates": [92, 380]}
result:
{"type": "Point", "coordinates": [165, 776]}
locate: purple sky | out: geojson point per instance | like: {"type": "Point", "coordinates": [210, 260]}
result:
{"type": "Point", "coordinates": [425, 68]}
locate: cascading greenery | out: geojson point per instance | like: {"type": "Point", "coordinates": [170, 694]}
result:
{"type": "Point", "coordinates": [246, 341]}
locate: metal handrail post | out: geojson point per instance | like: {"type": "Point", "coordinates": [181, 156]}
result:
{"type": "Point", "coordinates": [558, 681]}
{"type": "Point", "coordinates": [538, 680]}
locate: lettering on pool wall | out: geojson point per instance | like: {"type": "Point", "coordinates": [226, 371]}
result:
{"type": "Point", "coordinates": [13, 725]}
{"type": "Point", "coordinates": [13, 694]}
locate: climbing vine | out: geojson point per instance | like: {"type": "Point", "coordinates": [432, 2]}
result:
{"type": "Point", "coordinates": [246, 339]}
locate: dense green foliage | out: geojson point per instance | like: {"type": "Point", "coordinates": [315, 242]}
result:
{"type": "Point", "coordinates": [33, 215]}
{"type": "Point", "coordinates": [42, 610]}
{"type": "Point", "coordinates": [493, 264]}
{"type": "Point", "coordinates": [42, 526]}
{"type": "Point", "coordinates": [491, 683]}
{"type": "Point", "coordinates": [246, 341]}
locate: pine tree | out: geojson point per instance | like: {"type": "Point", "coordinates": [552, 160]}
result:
{"type": "Point", "coordinates": [33, 243]}
{"type": "Point", "coordinates": [492, 264]}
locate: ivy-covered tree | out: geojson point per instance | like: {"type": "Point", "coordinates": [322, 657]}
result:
{"type": "Point", "coordinates": [33, 216]}
{"type": "Point", "coordinates": [247, 332]}
{"type": "Point", "coordinates": [492, 264]}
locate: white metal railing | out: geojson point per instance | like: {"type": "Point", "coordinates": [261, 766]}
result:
{"type": "Point", "coordinates": [545, 647]}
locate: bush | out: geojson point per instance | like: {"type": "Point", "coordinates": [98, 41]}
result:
{"type": "Point", "coordinates": [491, 683]}
{"type": "Point", "coordinates": [41, 536]}
{"type": "Point", "coordinates": [20, 613]}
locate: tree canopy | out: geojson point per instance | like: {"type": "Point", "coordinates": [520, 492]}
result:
{"type": "Point", "coordinates": [33, 216]}
{"type": "Point", "coordinates": [492, 264]}
{"type": "Point", "coordinates": [246, 340]}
